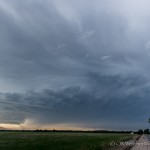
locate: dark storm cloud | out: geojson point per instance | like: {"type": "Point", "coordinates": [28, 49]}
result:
{"type": "Point", "coordinates": [111, 101]}
{"type": "Point", "coordinates": [93, 60]}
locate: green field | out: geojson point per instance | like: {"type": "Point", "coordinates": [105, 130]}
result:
{"type": "Point", "coordinates": [59, 141]}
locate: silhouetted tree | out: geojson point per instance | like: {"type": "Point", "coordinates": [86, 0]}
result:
{"type": "Point", "coordinates": [146, 131]}
{"type": "Point", "coordinates": [140, 131]}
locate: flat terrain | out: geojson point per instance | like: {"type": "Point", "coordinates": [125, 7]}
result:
{"type": "Point", "coordinates": [59, 140]}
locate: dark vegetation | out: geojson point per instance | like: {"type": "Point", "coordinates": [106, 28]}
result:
{"type": "Point", "coordinates": [62, 140]}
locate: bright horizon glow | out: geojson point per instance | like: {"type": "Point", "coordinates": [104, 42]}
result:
{"type": "Point", "coordinates": [29, 125]}
{"type": "Point", "coordinates": [10, 126]}
{"type": "Point", "coordinates": [46, 127]}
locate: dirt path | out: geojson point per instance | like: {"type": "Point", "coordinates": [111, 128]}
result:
{"type": "Point", "coordinates": [143, 143]}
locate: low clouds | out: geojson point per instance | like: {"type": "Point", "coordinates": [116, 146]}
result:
{"type": "Point", "coordinates": [106, 102]}
{"type": "Point", "coordinates": [80, 64]}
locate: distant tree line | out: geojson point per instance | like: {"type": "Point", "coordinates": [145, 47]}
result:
{"type": "Point", "coordinates": [72, 131]}
{"type": "Point", "coordinates": [140, 131]}
{"type": "Point", "coordinates": [146, 131]}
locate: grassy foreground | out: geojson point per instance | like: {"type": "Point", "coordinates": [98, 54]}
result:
{"type": "Point", "coordinates": [58, 141]}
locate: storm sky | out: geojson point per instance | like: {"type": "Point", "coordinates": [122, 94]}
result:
{"type": "Point", "coordinates": [75, 64]}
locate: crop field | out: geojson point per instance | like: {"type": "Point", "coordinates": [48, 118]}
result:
{"type": "Point", "coordinates": [59, 140]}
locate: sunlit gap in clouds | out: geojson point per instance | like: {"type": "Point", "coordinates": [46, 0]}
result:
{"type": "Point", "coordinates": [29, 124]}
{"type": "Point", "coordinates": [10, 126]}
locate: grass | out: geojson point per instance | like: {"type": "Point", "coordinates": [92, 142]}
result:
{"type": "Point", "coordinates": [58, 141]}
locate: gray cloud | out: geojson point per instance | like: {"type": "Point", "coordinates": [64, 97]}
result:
{"type": "Point", "coordinates": [111, 101]}
{"type": "Point", "coordinates": [93, 60]}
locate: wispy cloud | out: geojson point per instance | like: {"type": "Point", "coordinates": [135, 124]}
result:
{"type": "Point", "coordinates": [87, 35]}
{"type": "Point", "coordinates": [105, 57]}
